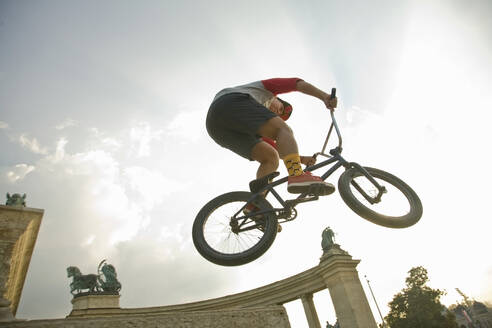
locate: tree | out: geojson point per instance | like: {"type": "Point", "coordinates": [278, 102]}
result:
{"type": "Point", "coordinates": [418, 305]}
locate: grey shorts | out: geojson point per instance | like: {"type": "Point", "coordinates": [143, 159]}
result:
{"type": "Point", "coordinates": [233, 121]}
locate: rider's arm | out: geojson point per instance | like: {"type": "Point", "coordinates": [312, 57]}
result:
{"type": "Point", "coordinates": [311, 90]}
{"type": "Point", "coordinates": [281, 85]}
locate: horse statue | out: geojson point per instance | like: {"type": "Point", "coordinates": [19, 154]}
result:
{"type": "Point", "coordinates": [109, 283]}
{"type": "Point", "coordinates": [80, 281]}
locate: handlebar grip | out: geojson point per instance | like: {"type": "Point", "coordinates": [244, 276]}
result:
{"type": "Point", "coordinates": [333, 93]}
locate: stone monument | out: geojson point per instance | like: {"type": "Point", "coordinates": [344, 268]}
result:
{"type": "Point", "coordinates": [329, 246]}
{"type": "Point", "coordinates": [19, 227]}
{"type": "Point", "coordinates": [342, 279]}
{"type": "Point", "coordinates": [102, 290]}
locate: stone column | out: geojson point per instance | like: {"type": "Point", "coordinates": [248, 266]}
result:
{"type": "Point", "coordinates": [19, 227]}
{"type": "Point", "coordinates": [310, 310]}
{"type": "Point", "coordinates": [350, 301]}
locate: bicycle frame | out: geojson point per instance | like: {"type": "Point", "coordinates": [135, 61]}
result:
{"type": "Point", "coordinates": [335, 157]}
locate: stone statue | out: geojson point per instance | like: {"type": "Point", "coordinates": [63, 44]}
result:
{"type": "Point", "coordinates": [16, 200]}
{"type": "Point", "coordinates": [109, 283]}
{"type": "Point", "coordinates": [336, 325]}
{"type": "Point", "coordinates": [327, 239]}
{"type": "Point", "coordinates": [104, 282]}
{"type": "Point", "coordinates": [80, 281]}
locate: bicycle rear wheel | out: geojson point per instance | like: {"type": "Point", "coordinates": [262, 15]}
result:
{"type": "Point", "coordinates": [399, 207]}
{"type": "Point", "coordinates": [228, 242]}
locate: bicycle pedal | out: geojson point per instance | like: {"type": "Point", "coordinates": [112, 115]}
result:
{"type": "Point", "coordinates": [258, 184]}
{"type": "Point", "coordinates": [320, 189]}
{"type": "Point", "coordinates": [294, 202]}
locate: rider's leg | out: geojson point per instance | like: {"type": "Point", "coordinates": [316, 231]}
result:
{"type": "Point", "coordinates": [275, 128]}
{"type": "Point", "coordinates": [278, 130]}
{"type": "Point", "coordinates": [267, 156]}
{"type": "Point", "coordinates": [299, 181]}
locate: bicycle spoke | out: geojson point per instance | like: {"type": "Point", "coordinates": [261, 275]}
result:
{"type": "Point", "coordinates": [219, 233]}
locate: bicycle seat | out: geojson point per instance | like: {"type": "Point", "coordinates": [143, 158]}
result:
{"type": "Point", "coordinates": [257, 184]}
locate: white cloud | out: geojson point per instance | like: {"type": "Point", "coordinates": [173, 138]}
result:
{"type": "Point", "coordinates": [103, 140]}
{"type": "Point", "coordinates": [19, 172]}
{"type": "Point", "coordinates": [141, 138]}
{"type": "Point", "coordinates": [121, 197]}
{"type": "Point", "coordinates": [65, 124]}
{"type": "Point", "coordinates": [90, 239]}
{"type": "Point", "coordinates": [103, 187]}
{"type": "Point", "coordinates": [99, 165]}
{"type": "Point", "coordinates": [33, 145]}
{"type": "Point", "coordinates": [3, 125]}
{"type": "Point", "coordinates": [60, 149]}
{"type": "Point", "coordinates": [151, 186]}
{"type": "Point", "coordinates": [188, 125]}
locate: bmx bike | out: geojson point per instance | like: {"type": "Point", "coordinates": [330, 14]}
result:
{"type": "Point", "coordinates": [226, 233]}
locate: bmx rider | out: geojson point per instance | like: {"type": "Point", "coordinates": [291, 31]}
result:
{"type": "Point", "coordinates": [250, 119]}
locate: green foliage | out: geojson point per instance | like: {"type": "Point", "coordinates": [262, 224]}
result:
{"type": "Point", "coordinates": [418, 305]}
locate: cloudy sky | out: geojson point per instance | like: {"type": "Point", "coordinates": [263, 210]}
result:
{"type": "Point", "coordinates": [102, 110]}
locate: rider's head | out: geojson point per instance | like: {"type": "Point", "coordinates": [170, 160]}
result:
{"type": "Point", "coordinates": [287, 109]}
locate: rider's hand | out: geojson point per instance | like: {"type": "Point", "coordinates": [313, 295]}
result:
{"type": "Point", "coordinates": [308, 160]}
{"type": "Point", "coordinates": [330, 103]}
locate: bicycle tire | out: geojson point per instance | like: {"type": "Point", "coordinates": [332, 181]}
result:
{"type": "Point", "coordinates": [209, 252]}
{"type": "Point", "coordinates": [401, 221]}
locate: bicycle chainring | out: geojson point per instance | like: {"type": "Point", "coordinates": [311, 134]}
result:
{"type": "Point", "coordinates": [287, 215]}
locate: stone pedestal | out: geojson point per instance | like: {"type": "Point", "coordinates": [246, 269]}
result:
{"type": "Point", "coordinates": [94, 301]}
{"type": "Point", "coordinates": [19, 227]}
{"type": "Point", "coordinates": [348, 297]}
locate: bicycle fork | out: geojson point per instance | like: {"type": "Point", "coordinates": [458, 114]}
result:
{"type": "Point", "coordinates": [381, 189]}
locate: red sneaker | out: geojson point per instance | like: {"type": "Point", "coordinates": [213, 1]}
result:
{"type": "Point", "coordinates": [302, 183]}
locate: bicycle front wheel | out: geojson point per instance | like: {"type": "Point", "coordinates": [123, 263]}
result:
{"type": "Point", "coordinates": [399, 206]}
{"type": "Point", "coordinates": [226, 241]}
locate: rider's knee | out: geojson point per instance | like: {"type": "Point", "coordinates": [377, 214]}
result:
{"type": "Point", "coordinates": [287, 129]}
{"type": "Point", "coordinates": [265, 154]}
{"type": "Point", "coordinates": [273, 158]}
{"type": "Point", "coordinates": [270, 156]}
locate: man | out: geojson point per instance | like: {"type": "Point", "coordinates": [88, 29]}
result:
{"type": "Point", "coordinates": [249, 120]}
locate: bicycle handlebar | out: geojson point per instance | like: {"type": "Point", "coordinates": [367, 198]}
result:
{"type": "Point", "coordinates": [333, 124]}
